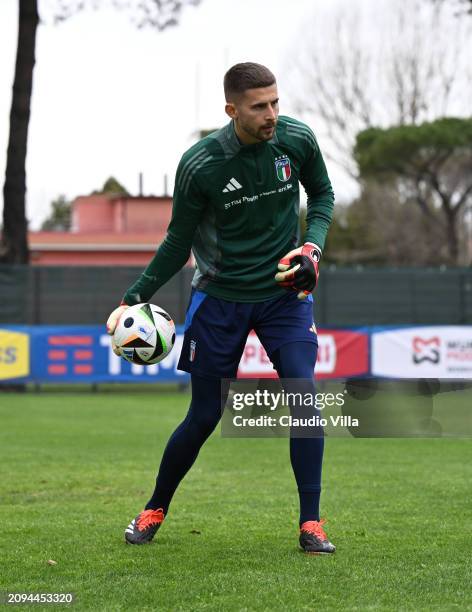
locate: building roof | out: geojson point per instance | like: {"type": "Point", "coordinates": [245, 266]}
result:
{"type": "Point", "coordinates": [94, 241]}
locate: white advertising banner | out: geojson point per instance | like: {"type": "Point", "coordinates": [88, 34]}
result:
{"type": "Point", "coordinates": [423, 352]}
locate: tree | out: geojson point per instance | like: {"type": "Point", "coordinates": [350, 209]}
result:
{"type": "Point", "coordinates": [158, 14]}
{"type": "Point", "coordinates": [429, 165]}
{"type": "Point", "coordinates": [114, 187]}
{"type": "Point", "coordinates": [462, 5]}
{"type": "Point", "coordinates": [60, 218]}
{"type": "Point", "coordinates": [404, 64]}
{"type": "Point", "coordinates": [353, 237]}
{"type": "Point", "coordinates": [377, 228]}
{"type": "Point", "coordinates": [14, 244]}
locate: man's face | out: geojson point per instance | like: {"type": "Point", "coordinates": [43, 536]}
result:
{"type": "Point", "coordinates": [255, 114]}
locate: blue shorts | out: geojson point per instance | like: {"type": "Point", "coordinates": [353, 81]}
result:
{"type": "Point", "coordinates": [216, 330]}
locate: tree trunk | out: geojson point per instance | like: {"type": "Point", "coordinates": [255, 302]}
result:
{"type": "Point", "coordinates": [452, 236]}
{"type": "Point", "coordinates": [14, 246]}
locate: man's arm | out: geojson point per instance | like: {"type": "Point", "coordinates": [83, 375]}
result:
{"type": "Point", "coordinates": [320, 202]}
{"type": "Point", "coordinates": [298, 269]}
{"type": "Point", "coordinates": [187, 210]}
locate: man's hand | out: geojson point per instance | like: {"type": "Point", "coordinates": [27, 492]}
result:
{"type": "Point", "coordinates": [298, 269]}
{"type": "Point", "coordinates": [112, 323]}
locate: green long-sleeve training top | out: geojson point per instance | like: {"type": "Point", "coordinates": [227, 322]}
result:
{"type": "Point", "coordinates": [237, 208]}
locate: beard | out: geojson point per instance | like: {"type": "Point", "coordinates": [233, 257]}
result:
{"type": "Point", "coordinates": [259, 133]}
{"type": "Point", "coordinates": [266, 132]}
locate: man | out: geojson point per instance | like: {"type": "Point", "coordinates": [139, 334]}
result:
{"type": "Point", "coordinates": [235, 204]}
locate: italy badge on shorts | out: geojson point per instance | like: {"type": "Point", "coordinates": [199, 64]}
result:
{"type": "Point", "coordinates": [282, 168]}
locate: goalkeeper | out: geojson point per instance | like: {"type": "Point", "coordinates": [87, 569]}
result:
{"type": "Point", "coordinates": [236, 206]}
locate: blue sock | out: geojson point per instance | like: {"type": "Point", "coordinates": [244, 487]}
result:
{"type": "Point", "coordinates": [297, 360]}
{"type": "Point", "coordinates": [184, 444]}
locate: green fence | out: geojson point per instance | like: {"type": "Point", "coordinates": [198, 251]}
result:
{"type": "Point", "coordinates": [345, 296]}
{"type": "Point", "coordinates": [377, 296]}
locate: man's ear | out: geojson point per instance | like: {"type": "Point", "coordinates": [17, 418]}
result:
{"type": "Point", "coordinates": [230, 110]}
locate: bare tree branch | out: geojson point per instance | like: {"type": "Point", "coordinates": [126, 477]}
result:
{"type": "Point", "coordinates": [406, 63]}
{"type": "Point", "coordinates": [158, 14]}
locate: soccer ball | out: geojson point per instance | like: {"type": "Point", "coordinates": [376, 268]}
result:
{"type": "Point", "coordinates": [145, 334]}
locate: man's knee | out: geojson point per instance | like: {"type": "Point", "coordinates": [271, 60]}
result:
{"type": "Point", "coordinates": [205, 421]}
{"type": "Point", "coordinates": [205, 410]}
{"type": "Point", "coordinates": [296, 360]}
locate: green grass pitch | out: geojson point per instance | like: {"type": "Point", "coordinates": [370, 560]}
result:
{"type": "Point", "coordinates": [76, 467]}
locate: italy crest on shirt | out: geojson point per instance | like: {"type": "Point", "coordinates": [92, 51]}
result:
{"type": "Point", "coordinates": [282, 168]}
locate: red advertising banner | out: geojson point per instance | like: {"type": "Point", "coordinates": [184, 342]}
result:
{"type": "Point", "coordinates": [341, 354]}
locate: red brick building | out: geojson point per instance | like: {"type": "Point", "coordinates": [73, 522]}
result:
{"type": "Point", "coordinates": [106, 230]}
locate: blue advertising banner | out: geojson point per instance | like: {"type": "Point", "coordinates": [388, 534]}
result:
{"type": "Point", "coordinates": [74, 354]}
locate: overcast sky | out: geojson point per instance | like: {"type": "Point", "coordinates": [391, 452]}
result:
{"type": "Point", "coordinates": [109, 99]}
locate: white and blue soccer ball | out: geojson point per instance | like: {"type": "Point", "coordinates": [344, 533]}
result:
{"type": "Point", "coordinates": [145, 334]}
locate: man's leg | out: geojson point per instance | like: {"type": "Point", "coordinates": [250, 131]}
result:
{"type": "Point", "coordinates": [214, 339]}
{"type": "Point", "coordinates": [179, 455]}
{"type": "Point", "coordinates": [184, 444]}
{"type": "Point", "coordinates": [286, 329]}
{"type": "Point", "coordinates": [297, 361]}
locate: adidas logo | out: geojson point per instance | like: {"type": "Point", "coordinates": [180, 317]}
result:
{"type": "Point", "coordinates": [233, 185]}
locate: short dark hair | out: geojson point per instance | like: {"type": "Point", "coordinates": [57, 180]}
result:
{"type": "Point", "coordinates": [246, 75]}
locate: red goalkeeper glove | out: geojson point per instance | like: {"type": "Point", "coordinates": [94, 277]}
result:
{"type": "Point", "coordinates": [298, 269]}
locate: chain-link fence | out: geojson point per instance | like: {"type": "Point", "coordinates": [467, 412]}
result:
{"type": "Point", "coordinates": [345, 296]}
